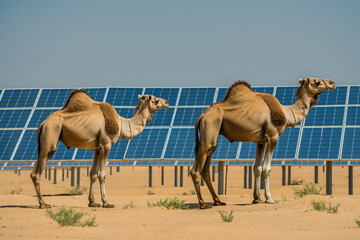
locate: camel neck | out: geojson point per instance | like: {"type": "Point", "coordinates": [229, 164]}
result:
{"type": "Point", "coordinates": [300, 109]}
{"type": "Point", "coordinates": [135, 125]}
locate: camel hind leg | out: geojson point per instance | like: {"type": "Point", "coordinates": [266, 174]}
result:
{"type": "Point", "coordinates": [49, 138]}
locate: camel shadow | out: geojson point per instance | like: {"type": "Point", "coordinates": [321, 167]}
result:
{"type": "Point", "coordinates": [243, 204]}
{"type": "Point", "coordinates": [21, 206]}
{"type": "Point", "coordinates": [59, 195]}
{"type": "Point", "coordinates": [197, 205]}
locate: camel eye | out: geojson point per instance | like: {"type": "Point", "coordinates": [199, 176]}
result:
{"type": "Point", "coordinates": [317, 83]}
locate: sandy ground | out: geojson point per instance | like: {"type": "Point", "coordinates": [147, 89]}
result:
{"type": "Point", "coordinates": [289, 219]}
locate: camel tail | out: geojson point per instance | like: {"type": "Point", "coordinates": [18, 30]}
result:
{"type": "Point", "coordinates": [39, 136]}
{"type": "Point", "coordinates": [197, 127]}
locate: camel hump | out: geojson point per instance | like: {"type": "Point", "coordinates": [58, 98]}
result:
{"type": "Point", "coordinates": [110, 115]}
{"type": "Point", "coordinates": [277, 115]}
{"type": "Point", "coordinates": [78, 100]}
{"type": "Point", "coordinates": [236, 91]}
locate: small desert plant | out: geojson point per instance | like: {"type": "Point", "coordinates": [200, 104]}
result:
{"type": "Point", "coordinates": [129, 205]}
{"type": "Point", "coordinates": [69, 217]}
{"type": "Point", "coordinates": [192, 192]}
{"type": "Point", "coordinates": [284, 197]}
{"type": "Point", "coordinates": [17, 190]}
{"type": "Point", "coordinates": [321, 206]}
{"type": "Point", "coordinates": [357, 222]}
{"type": "Point", "coordinates": [150, 192]}
{"type": "Point", "coordinates": [226, 217]}
{"type": "Point", "coordinates": [77, 190]}
{"type": "Point", "coordinates": [297, 182]}
{"type": "Point", "coordinates": [170, 204]}
{"type": "Point", "coordinates": [306, 190]}
{"type": "Point", "coordinates": [184, 194]}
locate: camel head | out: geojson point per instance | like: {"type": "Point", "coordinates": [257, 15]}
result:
{"type": "Point", "coordinates": [154, 103]}
{"type": "Point", "coordinates": [317, 85]}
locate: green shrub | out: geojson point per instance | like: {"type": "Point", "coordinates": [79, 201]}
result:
{"type": "Point", "coordinates": [170, 204]}
{"type": "Point", "coordinates": [226, 217]}
{"type": "Point", "coordinates": [321, 206]}
{"type": "Point", "coordinates": [308, 189]}
{"type": "Point", "coordinates": [129, 205]}
{"type": "Point", "coordinates": [297, 182]}
{"type": "Point", "coordinates": [77, 190]}
{"type": "Point", "coordinates": [192, 192]}
{"type": "Point", "coordinates": [150, 192]}
{"type": "Point", "coordinates": [69, 217]}
{"type": "Point", "coordinates": [357, 222]}
{"type": "Point", "coordinates": [17, 190]}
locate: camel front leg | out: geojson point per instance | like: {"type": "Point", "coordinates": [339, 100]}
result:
{"type": "Point", "coordinates": [36, 177]}
{"type": "Point", "coordinates": [257, 172]}
{"type": "Point", "coordinates": [102, 175]}
{"type": "Point", "coordinates": [93, 177]}
{"type": "Point", "coordinates": [267, 167]}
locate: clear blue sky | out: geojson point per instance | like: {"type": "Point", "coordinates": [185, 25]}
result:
{"type": "Point", "coordinates": [167, 43]}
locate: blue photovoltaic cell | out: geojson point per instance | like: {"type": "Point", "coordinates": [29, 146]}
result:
{"type": "Point", "coordinates": [222, 91]}
{"type": "Point", "coordinates": [118, 149]}
{"type": "Point", "coordinates": [124, 96]}
{"type": "Point", "coordinates": [74, 164]}
{"type": "Point", "coordinates": [169, 94]}
{"type": "Point", "coordinates": [242, 163]}
{"type": "Point", "coordinates": [84, 154]}
{"type": "Point", "coordinates": [320, 143]}
{"type": "Point", "coordinates": [149, 144]}
{"type": "Point", "coordinates": [248, 150]}
{"type": "Point", "coordinates": [187, 116]}
{"type": "Point", "coordinates": [354, 97]}
{"type": "Point", "coordinates": [307, 163]}
{"type": "Point", "coordinates": [181, 144]}
{"type": "Point", "coordinates": [196, 96]}
{"type": "Point", "coordinates": [325, 116]}
{"type": "Point", "coordinates": [19, 98]}
{"type": "Point", "coordinates": [287, 144]}
{"type": "Point", "coordinates": [351, 149]}
{"type": "Point", "coordinates": [122, 163]}
{"type": "Point", "coordinates": [8, 140]}
{"type": "Point", "coordinates": [286, 95]}
{"type": "Point", "coordinates": [188, 163]}
{"type": "Point", "coordinates": [336, 97]}
{"type": "Point", "coordinates": [57, 97]}
{"type": "Point", "coordinates": [353, 116]}
{"type": "Point", "coordinates": [225, 149]}
{"type": "Point", "coordinates": [161, 117]}
{"type": "Point", "coordinates": [14, 118]}
{"type": "Point", "coordinates": [354, 163]}
{"type": "Point", "coordinates": [53, 97]}
{"type": "Point", "coordinates": [28, 149]}
{"type": "Point", "coordinates": [39, 116]}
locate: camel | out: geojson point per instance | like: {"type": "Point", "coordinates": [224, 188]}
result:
{"type": "Point", "coordinates": [246, 116]}
{"type": "Point", "coordinates": [88, 124]}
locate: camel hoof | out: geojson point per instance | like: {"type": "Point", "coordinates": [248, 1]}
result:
{"type": "Point", "coordinates": [205, 206]}
{"type": "Point", "coordinates": [94, 205]}
{"type": "Point", "coordinates": [44, 206]}
{"type": "Point", "coordinates": [219, 203]}
{"type": "Point", "coordinates": [108, 205]}
{"type": "Point", "coordinates": [257, 201]}
{"type": "Point", "coordinates": [270, 201]}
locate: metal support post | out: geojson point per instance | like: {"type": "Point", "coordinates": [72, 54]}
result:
{"type": "Point", "coordinates": [78, 176]}
{"type": "Point", "coordinates": [221, 178]}
{"type": "Point", "coordinates": [262, 181]}
{"type": "Point", "coordinates": [328, 177]}
{"type": "Point", "coordinates": [162, 175]}
{"type": "Point", "coordinates": [110, 171]}
{"type": "Point", "coordinates": [316, 169]}
{"type": "Point", "coordinates": [175, 178]}
{"type": "Point", "coordinates": [250, 177]}
{"type": "Point", "coordinates": [55, 175]}
{"type": "Point", "coordinates": [49, 174]}
{"type": "Point", "coordinates": [245, 176]}
{"type": "Point", "coordinates": [201, 181]}
{"type": "Point", "coordinates": [72, 176]}
{"type": "Point", "coordinates": [289, 175]}
{"type": "Point", "coordinates": [213, 173]}
{"type": "Point", "coordinates": [351, 178]}
{"type": "Point", "coordinates": [283, 168]}
{"type": "Point", "coordinates": [181, 176]}
{"type": "Point", "coordinates": [117, 169]}
{"type": "Point", "coordinates": [150, 176]}
{"type": "Point", "coordinates": [63, 175]}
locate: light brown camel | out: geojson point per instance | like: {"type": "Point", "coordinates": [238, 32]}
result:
{"type": "Point", "coordinates": [88, 124]}
{"type": "Point", "coordinates": [247, 116]}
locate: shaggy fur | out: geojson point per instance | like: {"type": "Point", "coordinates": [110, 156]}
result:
{"type": "Point", "coordinates": [233, 87]}
{"type": "Point", "coordinates": [277, 115]}
{"type": "Point", "coordinates": [111, 124]}
{"type": "Point", "coordinates": [72, 93]}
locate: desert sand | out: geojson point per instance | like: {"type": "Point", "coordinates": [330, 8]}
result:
{"type": "Point", "coordinates": [291, 218]}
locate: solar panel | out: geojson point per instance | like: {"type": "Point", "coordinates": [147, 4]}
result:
{"type": "Point", "coordinates": [286, 95]}
{"type": "Point", "coordinates": [18, 98]}
{"type": "Point", "coordinates": [247, 150]}
{"type": "Point", "coordinates": [149, 144]}
{"type": "Point", "coordinates": [354, 95]}
{"type": "Point", "coordinates": [196, 96]}
{"type": "Point", "coordinates": [39, 116]}
{"type": "Point", "coordinates": [320, 143]}
{"type": "Point", "coordinates": [225, 149]}
{"type": "Point", "coordinates": [325, 116]}
{"type": "Point", "coordinates": [14, 118]}
{"type": "Point", "coordinates": [336, 97]}
{"type": "Point", "coordinates": [353, 116]}
{"type": "Point", "coordinates": [8, 140]}
{"type": "Point", "coordinates": [118, 149]}
{"type": "Point", "coordinates": [28, 149]}
{"type": "Point", "coordinates": [351, 149]}
{"type": "Point", "coordinates": [287, 144]}
{"type": "Point", "coordinates": [53, 97]}
{"type": "Point", "coordinates": [123, 96]}
{"type": "Point", "coordinates": [221, 94]}
{"type": "Point", "coordinates": [181, 144]}
{"type": "Point", "coordinates": [187, 116]}
{"type": "Point", "coordinates": [169, 94]}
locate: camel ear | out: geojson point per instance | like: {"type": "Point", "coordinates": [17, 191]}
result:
{"type": "Point", "coordinates": [301, 81]}
{"type": "Point", "coordinates": [139, 96]}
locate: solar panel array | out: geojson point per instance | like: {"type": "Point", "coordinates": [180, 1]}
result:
{"type": "Point", "coordinates": [331, 130]}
